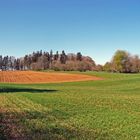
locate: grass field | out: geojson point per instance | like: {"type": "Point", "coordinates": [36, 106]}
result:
{"type": "Point", "coordinates": [103, 110]}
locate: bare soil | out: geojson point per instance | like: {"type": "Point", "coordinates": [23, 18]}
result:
{"type": "Point", "coordinates": [30, 77]}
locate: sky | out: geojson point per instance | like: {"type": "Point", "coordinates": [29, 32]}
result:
{"type": "Point", "coordinates": [96, 28]}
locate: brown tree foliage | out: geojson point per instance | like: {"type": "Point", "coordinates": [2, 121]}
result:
{"type": "Point", "coordinates": [47, 60]}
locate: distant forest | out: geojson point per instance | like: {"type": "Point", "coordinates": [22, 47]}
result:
{"type": "Point", "coordinates": [48, 61]}
{"type": "Point", "coordinates": [122, 62]}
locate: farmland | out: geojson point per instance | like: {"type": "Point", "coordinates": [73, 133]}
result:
{"type": "Point", "coordinates": [30, 77]}
{"type": "Point", "coordinates": [103, 109]}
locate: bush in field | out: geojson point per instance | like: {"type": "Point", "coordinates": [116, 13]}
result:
{"type": "Point", "coordinates": [107, 67]}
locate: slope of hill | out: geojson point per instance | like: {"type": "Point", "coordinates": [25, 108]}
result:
{"type": "Point", "coordinates": [106, 109]}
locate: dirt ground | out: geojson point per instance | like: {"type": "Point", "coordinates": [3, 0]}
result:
{"type": "Point", "coordinates": [30, 77]}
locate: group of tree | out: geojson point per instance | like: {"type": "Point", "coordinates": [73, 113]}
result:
{"type": "Point", "coordinates": [123, 62]}
{"type": "Point", "coordinates": [48, 60]}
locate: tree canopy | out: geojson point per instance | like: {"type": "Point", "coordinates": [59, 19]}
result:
{"type": "Point", "coordinates": [47, 60]}
{"type": "Point", "coordinates": [123, 62]}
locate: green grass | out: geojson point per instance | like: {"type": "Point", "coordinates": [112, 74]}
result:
{"type": "Point", "coordinates": [102, 110]}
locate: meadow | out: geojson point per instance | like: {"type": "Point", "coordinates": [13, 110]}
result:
{"type": "Point", "coordinates": [108, 109]}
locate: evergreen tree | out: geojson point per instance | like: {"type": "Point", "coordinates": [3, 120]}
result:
{"type": "Point", "coordinates": [63, 57]}
{"type": "Point", "coordinates": [79, 56]}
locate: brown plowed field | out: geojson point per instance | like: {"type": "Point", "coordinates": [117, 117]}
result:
{"type": "Point", "coordinates": [30, 77]}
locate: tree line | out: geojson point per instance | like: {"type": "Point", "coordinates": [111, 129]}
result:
{"type": "Point", "coordinates": [48, 60]}
{"type": "Point", "coordinates": [122, 62]}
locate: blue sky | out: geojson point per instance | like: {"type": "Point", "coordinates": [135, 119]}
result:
{"type": "Point", "coordinates": [94, 27]}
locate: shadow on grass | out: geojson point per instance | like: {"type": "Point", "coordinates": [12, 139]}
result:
{"type": "Point", "coordinates": [30, 90]}
{"type": "Point", "coordinates": [17, 126]}
{"type": "Point", "coordinates": [34, 125]}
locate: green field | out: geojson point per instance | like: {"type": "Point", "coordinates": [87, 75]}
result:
{"type": "Point", "coordinates": [102, 110]}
